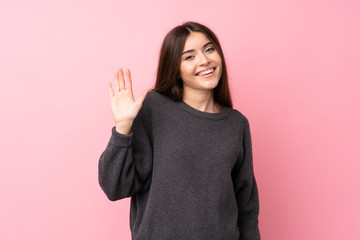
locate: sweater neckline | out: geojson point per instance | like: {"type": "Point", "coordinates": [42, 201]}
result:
{"type": "Point", "coordinates": [215, 116]}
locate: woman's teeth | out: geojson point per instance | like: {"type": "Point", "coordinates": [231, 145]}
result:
{"type": "Point", "coordinates": [206, 72]}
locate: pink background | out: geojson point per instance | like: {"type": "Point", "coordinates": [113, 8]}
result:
{"type": "Point", "coordinates": [294, 72]}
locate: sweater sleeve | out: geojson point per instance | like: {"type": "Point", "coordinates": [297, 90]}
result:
{"type": "Point", "coordinates": [246, 191]}
{"type": "Point", "coordinates": [125, 165]}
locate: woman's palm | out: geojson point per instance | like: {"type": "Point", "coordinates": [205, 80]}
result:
{"type": "Point", "coordinates": [123, 105]}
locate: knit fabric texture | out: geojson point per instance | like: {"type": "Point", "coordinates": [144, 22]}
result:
{"type": "Point", "coordinates": [189, 173]}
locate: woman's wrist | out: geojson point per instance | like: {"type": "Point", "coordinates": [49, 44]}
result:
{"type": "Point", "coordinates": [123, 127]}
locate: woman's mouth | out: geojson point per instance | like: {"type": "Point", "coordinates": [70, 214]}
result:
{"type": "Point", "coordinates": [206, 73]}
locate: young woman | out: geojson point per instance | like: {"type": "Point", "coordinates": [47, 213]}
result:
{"type": "Point", "coordinates": [181, 152]}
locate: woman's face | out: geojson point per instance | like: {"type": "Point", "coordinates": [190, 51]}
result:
{"type": "Point", "coordinates": [201, 64]}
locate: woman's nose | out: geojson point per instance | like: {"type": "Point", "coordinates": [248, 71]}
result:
{"type": "Point", "coordinates": [203, 59]}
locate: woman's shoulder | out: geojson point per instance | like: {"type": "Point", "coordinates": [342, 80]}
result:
{"type": "Point", "coordinates": [153, 102]}
{"type": "Point", "coordinates": [154, 96]}
{"type": "Point", "coordinates": [238, 114]}
{"type": "Point", "coordinates": [238, 117]}
{"type": "Point", "coordinates": [154, 99]}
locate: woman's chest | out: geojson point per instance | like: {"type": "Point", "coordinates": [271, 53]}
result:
{"type": "Point", "coordinates": [196, 144]}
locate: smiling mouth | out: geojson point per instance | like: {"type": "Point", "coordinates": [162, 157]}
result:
{"type": "Point", "coordinates": [206, 72]}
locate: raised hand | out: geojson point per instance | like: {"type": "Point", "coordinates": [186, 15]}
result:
{"type": "Point", "coordinates": [123, 104]}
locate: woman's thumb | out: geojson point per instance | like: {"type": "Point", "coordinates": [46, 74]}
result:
{"type": "Point", "coordinates": [142, 96]}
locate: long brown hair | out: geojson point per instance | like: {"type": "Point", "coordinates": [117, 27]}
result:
{"type": "Point", "coordinates": [168, 81]}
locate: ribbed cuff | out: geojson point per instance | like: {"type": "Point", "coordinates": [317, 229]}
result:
{"type": "Point", "coordinates": [120, 140]}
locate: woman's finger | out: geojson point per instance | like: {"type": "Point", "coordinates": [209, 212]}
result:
{"type": "Point", "coordinates": [111, 92]}
{"type": "Point", "coordinates": [142, 96]}
{"type": "Point", "coordinates": [128, 82]}
{"type": "Point", "coordinates": [127, 79]}
{"type": "Point", "coordinates": [116, 82]}
{"type": "Point", "coordinates": [121, 80]}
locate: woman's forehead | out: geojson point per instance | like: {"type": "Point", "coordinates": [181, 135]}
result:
{"type": "Point", "coordinates": [196, 40]}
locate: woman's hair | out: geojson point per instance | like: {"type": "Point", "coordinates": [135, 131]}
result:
{"type": "Point", "coordinates": [168, 79]}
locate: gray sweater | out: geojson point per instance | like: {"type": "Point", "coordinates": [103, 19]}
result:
{"type": "Point", "coordinates": [189, 173]}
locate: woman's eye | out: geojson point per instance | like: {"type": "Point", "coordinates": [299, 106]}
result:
{"type": "Point", "coordinates": [189, 57]}
{"type": "Point", "coordinates": [210, 49]}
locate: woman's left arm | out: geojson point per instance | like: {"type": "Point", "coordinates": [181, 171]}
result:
{"type": "Point", "coordinates": [246, 191]}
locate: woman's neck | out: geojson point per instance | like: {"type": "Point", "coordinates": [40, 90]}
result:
{"type": "Point", "coordinates": [202, 101]}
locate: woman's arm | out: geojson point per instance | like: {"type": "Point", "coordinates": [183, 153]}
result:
{"type": "Point", "coordinates": [246, 191]}
{"type": "Point", "coordinates": [126, 163]}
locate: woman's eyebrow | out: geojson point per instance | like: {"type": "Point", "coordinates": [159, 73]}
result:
{"type": "Point", "coordinates": [192, 50]}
